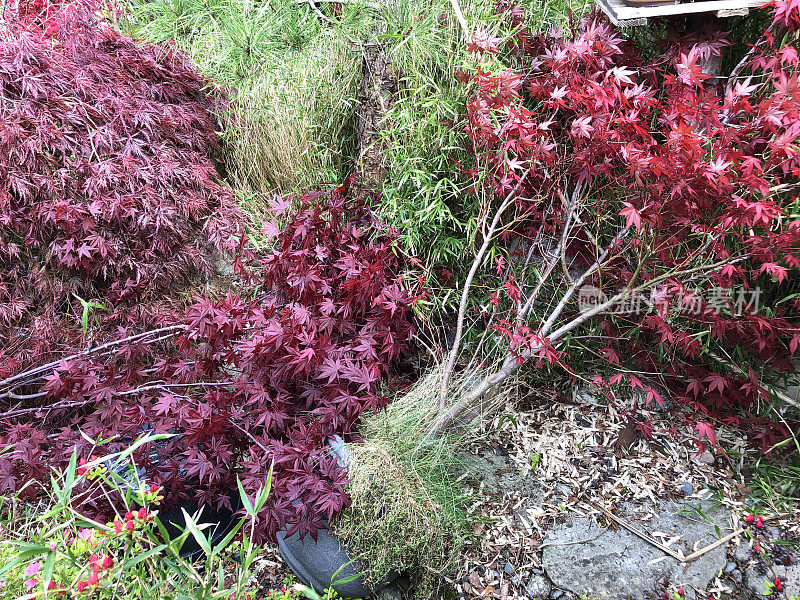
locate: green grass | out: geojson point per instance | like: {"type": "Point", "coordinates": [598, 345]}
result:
{"type": "Point", "coordinates": [776, 485]}
{"type": "Point", "coordinates": [293, 79]}
{"type": "Point", "coordinates": [52, 546]}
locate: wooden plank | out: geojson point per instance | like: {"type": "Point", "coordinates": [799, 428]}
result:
{"type": "Point", "coordinates": [612, 15]}
{"type": "Point", "coordinates": [624, 15]}
{"type": "Point", "coordinates": [682, 8]}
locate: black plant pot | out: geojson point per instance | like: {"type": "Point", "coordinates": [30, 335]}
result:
{"type": "Point", "coordinates": [217, 522]}
{"type": "Point", "coordinates": [319, 564]}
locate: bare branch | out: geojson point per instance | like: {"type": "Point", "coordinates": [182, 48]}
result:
{"type": "Point", "coordinates": [462, 307]}
{"type": "Point", "coordinates": [102, 349]}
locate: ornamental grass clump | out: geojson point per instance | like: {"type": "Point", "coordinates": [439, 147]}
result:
{"type": "Point", "coordinates": [293, 79]}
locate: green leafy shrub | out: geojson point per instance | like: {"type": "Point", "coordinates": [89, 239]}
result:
{"type": "Point", "coordinates": [429, 196]}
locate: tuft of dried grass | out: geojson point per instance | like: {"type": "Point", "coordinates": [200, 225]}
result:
{"type": "Point", "coordinates": [294, 124]}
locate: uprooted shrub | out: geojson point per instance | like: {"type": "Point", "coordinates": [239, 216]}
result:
{"type": "Point", "coordinates": [638, 207]}
{"type": "Point", "coordinates": [409, 510]}
{"type": "Point", "coordinates": [109, 195]}
{"type": "Point", "coordinates": [243, 381]}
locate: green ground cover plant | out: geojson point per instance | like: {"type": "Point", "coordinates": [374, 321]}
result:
{"type": "Point", "coordinates": [50, 548]}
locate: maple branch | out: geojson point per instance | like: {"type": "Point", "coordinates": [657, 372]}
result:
{"type": "Point", "coordinates": [57, 406]}
{"type": "Point", "coordinates": [166, 386]}
{"type": "Point", "coordinates": [102, 350]}
{"type": "Point", "coordinates": [512, 362]}
{"type": "Point", "coordinates": [746, 58]}
{"type": "Point", "coordinates": [579, 282]}
{"type": "Point", "coordinates": [557, 255]}
{"type": "Point", "coordinates": [462, 307]}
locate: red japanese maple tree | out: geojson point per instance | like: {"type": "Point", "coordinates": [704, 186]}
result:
{"type": "Point", "coordinates": [621, 180]}
{"type": "Point", "coordinates": [243, 382]}
{"type": "Point", "coordinates": [109, 194]}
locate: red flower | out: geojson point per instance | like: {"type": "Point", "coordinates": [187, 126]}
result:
{"type": "Point", "coordinates": [154, 488]}
{"type": "Point", "coordinates": [130, 525]}
{"type": "Point", "coordinates": [118, 527]}
{"type": "Point", "coordinates": [82, 585]}
{"type": "Point", "coordinates": [51, 584]}
{"type": "Point", "coordinates": [142, 513]}
{"type": "Point", "coordinates": [108, 562]}
{"type": "Point", "coordinates": [94, 579]}
{"type": "Point", "coordinates": [778, 584]}
{"type": "Point", "coordinates": [759, 522]}
{"type": "Point", "coordinates": [749, 519]}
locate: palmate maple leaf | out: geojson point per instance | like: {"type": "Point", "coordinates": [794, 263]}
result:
{"type": "Point", "coordinates": [787, 13]}
{"type": "Point", "coordinates": [364, 375]}
{"type": "Point", "coordinates": [165, 404]}
{"type": "Point", "coordinates": [633, 217]}
{"type": "Point", "coordinates": [705, 430]}
{"type": "Point", "coordinates": [716, 381]}
{"type": "Point", "coordinates": [330, 369]}
{"type": "Point", "coordinates": [779, 272]}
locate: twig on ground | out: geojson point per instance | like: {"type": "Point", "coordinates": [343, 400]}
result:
{"type": "Point", "coordinates": [645, 536]}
